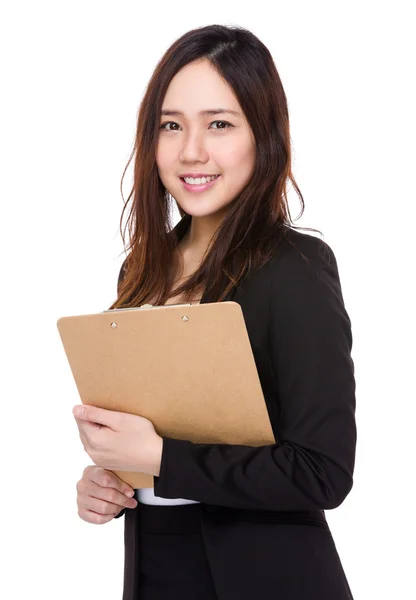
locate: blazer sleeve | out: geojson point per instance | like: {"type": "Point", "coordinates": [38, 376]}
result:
{"type": "Point", "coordinates": [311, 466]}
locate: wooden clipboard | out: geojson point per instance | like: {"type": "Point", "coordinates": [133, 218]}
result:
{"type": "Point", "coordinates": [187, 368]}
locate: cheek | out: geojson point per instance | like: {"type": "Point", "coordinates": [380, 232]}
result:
{"type": "Point", "coordinates": [238, 155]}
{"type": "Point", "coordinates": [162, 169]}
{"type": "Point", "coordinates": [239, 160]}
{"type": "Point", "coordinates": [164, 160]}
{"type": "Point", "coordinates": [159, 157]}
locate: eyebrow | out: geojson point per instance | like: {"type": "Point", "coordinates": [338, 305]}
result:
{"type": "Point", "coordinates": [212, 111]}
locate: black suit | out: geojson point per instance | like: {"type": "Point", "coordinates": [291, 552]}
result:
{"type": "Point", "coordinates": [264, 526]}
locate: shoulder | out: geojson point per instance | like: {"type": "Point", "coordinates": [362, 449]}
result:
{"type": "Point", "coordinates": [302, 251]}
{"type": "Point", "coordinates": [304, 267]}
{"type": "Point", "coordinates": [296, 262]}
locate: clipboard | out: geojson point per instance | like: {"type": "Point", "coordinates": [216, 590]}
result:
{"type": "Point", "coordinates": [188, 368]}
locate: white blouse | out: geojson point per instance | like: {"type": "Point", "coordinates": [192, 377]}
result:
{"type": "Point", "coordinates": [147, 496]}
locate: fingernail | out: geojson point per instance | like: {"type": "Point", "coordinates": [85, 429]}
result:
{"type": "Point", "coordinates": [129, 493]}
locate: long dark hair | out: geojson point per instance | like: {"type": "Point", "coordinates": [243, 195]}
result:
{"type": "Point", "coordinates": [256, 220]}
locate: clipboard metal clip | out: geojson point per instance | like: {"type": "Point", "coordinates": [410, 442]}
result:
{"type": "Point", "coordinates": [113, 310]}
{"type": "Point", "coordinates": [146, 306]}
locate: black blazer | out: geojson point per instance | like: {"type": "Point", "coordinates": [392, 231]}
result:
{"type": "Point", "coordinates": [264, 525]}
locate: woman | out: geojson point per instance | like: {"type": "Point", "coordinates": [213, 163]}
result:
{"type": "Point", "coordinates": [226, 521]}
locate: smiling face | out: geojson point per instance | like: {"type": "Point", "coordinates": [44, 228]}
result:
{"type": "Point", "coordinates": [196, 143]}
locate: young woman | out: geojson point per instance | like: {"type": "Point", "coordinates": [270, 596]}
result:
{"type": "Point", "coordinates": [224, 521]}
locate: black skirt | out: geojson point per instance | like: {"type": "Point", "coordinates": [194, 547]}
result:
{"type": "Point", "coordinates": [173, 564]}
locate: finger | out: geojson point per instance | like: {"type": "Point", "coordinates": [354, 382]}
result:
{"type": "Point", "coordinates": [109, 418]}
{"type": "Point", "coordinates": [108, 495]}
{"type": "Point", "coordinates": [107, 479]}
{"type": "Point", "coordinates": [92, 517]}
{"type": "Point", "coordinates": [105, 507]}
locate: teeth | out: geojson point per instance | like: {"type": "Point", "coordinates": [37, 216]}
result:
{"type": "Point", "coordinates": [199, 180]}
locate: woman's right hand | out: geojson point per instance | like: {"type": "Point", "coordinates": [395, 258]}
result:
{"type": "Point", "coordinates": [101, 495]}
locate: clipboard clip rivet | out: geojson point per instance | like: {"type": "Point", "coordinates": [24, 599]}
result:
{"type": "Point", "coordinates": [185, 318]}
{"type": "Point", "coordinates": [113, 324]}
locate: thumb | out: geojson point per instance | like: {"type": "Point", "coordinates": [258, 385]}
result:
{"type": "Point", "coordinates": [109, 418]}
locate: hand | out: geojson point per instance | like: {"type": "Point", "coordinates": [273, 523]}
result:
{"type": "Point", "coordinates": [119, 441]}
{"type": "Point", "coordinates": [101, 495]}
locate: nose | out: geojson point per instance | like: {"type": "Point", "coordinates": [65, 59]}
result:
{"type": "Point", "coordinates": [193, 148]}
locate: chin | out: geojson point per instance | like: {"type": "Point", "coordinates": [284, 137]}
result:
{"type": "Point", "coordinates": [202, 211]}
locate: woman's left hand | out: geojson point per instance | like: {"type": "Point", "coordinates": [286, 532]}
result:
{"type": "Point", "coordinates": [119, 441]}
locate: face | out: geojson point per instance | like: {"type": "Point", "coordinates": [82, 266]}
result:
{"type": "Point", "coordinates": [208, 144]}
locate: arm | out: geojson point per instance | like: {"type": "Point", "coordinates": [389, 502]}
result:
{"type": "Point", "coordinates": [312, 465]}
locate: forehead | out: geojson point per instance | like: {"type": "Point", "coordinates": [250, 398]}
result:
{"type": "Point", "coordinates": [198, 87]}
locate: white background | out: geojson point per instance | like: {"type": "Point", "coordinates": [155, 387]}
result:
{"type": "Point", "coordinates": [73, 75]}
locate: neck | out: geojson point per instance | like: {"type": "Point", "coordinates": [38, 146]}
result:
{"type": "Point", "coordinates": [200, 233]}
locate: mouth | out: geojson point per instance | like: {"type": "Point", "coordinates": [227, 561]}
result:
{"type": "Point", "coordinates": [200, 177]}
{"type": "Point", "coordinates": [199, 187]}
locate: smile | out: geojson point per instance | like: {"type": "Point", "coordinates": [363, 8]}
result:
{"type": "Point", "coordinates": [199, 187]}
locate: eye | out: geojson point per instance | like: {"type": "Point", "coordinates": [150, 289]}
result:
{"type": "Point", "coordinates": [227, 125]}
{"type": "Point", "coordinates": [168, 123]}
{"type": "Point", "coordinates": [224, 123]}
